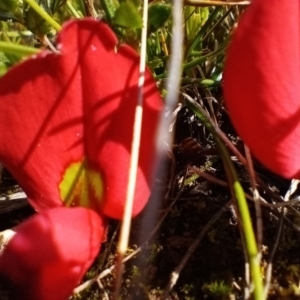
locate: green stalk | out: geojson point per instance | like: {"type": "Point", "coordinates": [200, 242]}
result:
{"type": "Point", "coordinates": [72, 10]}
{"type": "Point", "coordinates": [202, 82]}
{"type": "Point", "coordinates": [17, 50]}
{"type": "Point", "coordinates": [197, 61]}
{"type": "Point", "coordinates": [43, 14]}
{"type": "Point", "coordinates": [203, 58]}
{"type": "Point", "coordinates": [239, 196]}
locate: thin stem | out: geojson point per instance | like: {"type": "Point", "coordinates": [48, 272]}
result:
{"type": "Point", "coordinates": [173, 80]}
{"type": "Point", "coordinates": [133, 167]}
{"type": "Point", "coordinates": [239, 196]}
{"type": "Point", "coordinates": [18, 50]}
{"type": "Point", "coordinates": [89, 8]}
{"type": "Point", "coordinates": [204, 58]}
{"type": "Point", "coordinates": [72, 10]}
{"type": "Point", "coordinates": [256, 197]}
{"type": "Point", "coordinates": [43, 14]}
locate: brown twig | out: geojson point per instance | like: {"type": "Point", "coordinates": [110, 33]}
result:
{"type": "Point", "coordinates": [89, 8]}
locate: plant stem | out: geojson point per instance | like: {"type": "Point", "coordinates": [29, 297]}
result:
{"type": "Point", "coordinates": [72, 10]}
{"type": "Point", "coordinates": [17, 50]}
{"type": "Point", "coordinates": [239, 196]}
{"type": "Point", "coordinates": [43, 14]}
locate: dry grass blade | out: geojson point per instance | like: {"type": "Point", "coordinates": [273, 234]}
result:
{"type": "Point", "coordinates": [135, 148]}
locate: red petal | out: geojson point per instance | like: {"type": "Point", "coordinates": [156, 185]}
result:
{"type": "Point", "coordinates": [261, 83]}
{"type": "Point", "coordinates": [109, 110]}
{"type": "Point", "coordinates": [51, 252]}
{"type": "Point", "coordinates": [57, 110]}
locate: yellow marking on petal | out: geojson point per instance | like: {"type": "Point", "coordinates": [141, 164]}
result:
{"type": "Point", "coordinates": [81, 186]}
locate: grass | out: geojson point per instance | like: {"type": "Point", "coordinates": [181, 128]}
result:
{"type": "Point", "coordinates": [199, 241]}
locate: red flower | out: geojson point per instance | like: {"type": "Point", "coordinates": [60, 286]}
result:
{"type": "Point", "coordinates": [261, 83]}
{"type": "Point", "coordinates": [66, 122]}
{"type": "Point", "coordinates": [51, 252]}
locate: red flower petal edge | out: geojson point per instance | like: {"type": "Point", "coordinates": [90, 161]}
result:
{"type": "Point", "coordinates": [261, 83]}
{"type": "Point", "coordinates": [51, 252]}
{"type": "Point", "coordinates": [66, 122]}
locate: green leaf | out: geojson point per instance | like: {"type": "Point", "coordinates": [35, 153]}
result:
{"type": "Point", "coordinates": [10, 10]}
{"type": "Point", "coordinates": [110, 7]}
{"type": "Point", "coordinates": [128, 16]}
{"type": "Point", "coordinates": [159, 14]}
{"type": "Point", "coordinates": [196, 18]}
{"type": "Point", "coordinates": [137, 3]}
{"type": "Point", "coordinates": [6, 16]}
{"type": "Point", "coordinates": [9, 5]}
{"type": "Point", "coordinates": [53, 5]}
{"type": "Point", "coordinates": [3, 64]}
